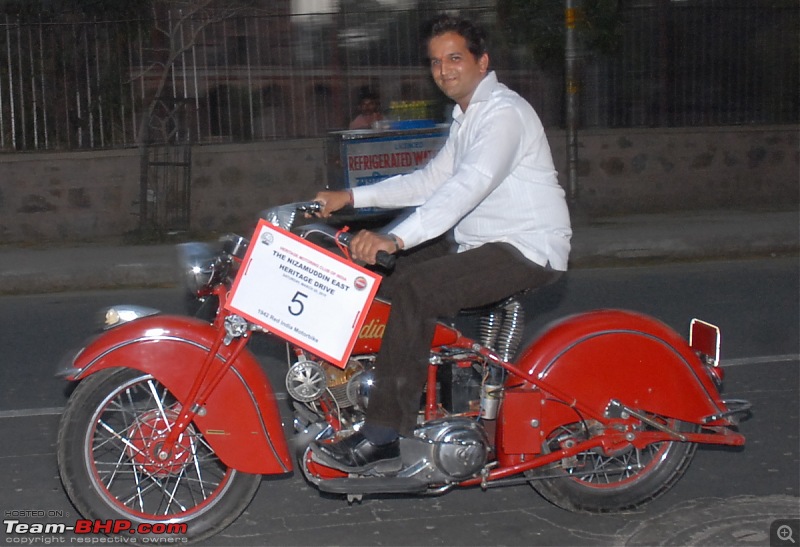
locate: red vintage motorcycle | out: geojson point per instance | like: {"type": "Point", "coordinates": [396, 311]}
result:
{"type": "Point", "coordinates": [173, 419]}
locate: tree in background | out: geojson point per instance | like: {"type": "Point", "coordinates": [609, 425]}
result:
{"type": "Point", "coordinates": [176, 27]}
{"type": "Point", "coordinates": [538, 25]}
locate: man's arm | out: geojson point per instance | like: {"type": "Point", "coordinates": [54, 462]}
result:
{"type": "Point", "coordinates": [484, 163]}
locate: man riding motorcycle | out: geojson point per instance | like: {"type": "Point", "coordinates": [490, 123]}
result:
{"type": "Point", "coordinates": [495, 186]}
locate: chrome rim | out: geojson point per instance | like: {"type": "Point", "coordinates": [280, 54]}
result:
{"type": "Point", "coordinates": [122, 453]}
{"type": "Point", "coordinates": [597, 470]}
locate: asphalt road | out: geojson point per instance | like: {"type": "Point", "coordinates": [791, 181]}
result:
{"type": "Point", "coordinates": [728, 496]}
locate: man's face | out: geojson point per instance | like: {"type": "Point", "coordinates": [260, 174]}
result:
{"type": "Point", "coordinates": [455, 70]}
{"type": "Point", "coordinates": [369, 106]}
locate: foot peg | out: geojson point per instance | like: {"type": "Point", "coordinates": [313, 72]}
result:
{"type": "Point", "coordinates": [354, 487]}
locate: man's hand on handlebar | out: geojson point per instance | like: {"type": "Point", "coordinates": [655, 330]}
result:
{"type": "Point", "coordinates": [366, 245]}
{"type": "Point", "coordinates": [332, 200]}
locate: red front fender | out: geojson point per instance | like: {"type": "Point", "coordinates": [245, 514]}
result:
{"type": "Point", "coordinates": [611, 354]}
{"type": "Point", "coordinates": [241, 423]}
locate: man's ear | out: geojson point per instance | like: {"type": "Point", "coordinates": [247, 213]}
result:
{"type": "Point", "coordinates": [483, 62]}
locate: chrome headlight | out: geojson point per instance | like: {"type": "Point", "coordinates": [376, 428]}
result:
{"type": "Point", "coordinates": [198, 277]}
{"type": "Point", "coordinates": [198, 262]}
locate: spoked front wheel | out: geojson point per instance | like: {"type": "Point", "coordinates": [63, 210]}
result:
{"type": "Point", "coordinates": [596, 482]}
{"type": "Point", "coordinates": [112, 466]}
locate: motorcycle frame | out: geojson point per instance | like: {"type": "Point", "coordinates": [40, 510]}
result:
{"type": "Point", "coordinates": [547, 387]}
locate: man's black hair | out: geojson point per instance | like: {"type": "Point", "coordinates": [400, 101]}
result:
{"type": "Point", "coordinates": [365, 92]}
{"type": "Point", "coordinates": [472, 33]}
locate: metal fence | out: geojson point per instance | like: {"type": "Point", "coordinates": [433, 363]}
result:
{"type": "Point", "coordinates": [89, 84]}
{"type": "Point", "coordinates": [696, 63]}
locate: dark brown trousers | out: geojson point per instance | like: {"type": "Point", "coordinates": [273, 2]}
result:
{"type": "Point", "coordinates": [428, 283]}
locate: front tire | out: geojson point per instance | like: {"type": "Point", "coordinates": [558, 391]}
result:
{"type": "Point", "coordinates": [107, 443]}
{"type": "Point", "coordinates": [598, 483]}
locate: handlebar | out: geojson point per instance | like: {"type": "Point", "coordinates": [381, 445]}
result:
{"type": "Point", "coordinates": [382, 258]}
{"type": "Point", "coordinates": [309, 207]}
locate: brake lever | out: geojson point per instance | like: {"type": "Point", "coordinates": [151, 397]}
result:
{"type": "Point", "coordinates": [309, 207]}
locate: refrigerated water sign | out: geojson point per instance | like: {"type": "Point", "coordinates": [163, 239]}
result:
{"type": "Point", "coordinates": [370, 160]}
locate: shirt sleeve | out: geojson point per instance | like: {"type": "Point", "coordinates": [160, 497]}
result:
{"type": "Point", "coordinates": [411, 189]}
{"type": "Point", "coordinates": [490, 152]}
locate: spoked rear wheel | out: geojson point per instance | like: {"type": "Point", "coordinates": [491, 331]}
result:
{"type": "Point", "coordinates": [596, 482]}
{"type": "Point", "coordinates": [108, 456]}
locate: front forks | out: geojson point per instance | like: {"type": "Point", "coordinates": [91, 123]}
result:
{"type": "Point", "coordinates": [236, 331]}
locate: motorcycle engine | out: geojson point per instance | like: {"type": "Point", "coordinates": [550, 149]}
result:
{"type": "Point", "coordinates": [451, 449]}
{"type": "Point", "coordinates": [440, 452]}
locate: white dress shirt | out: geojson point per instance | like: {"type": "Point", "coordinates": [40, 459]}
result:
{"type": "Point", "coordinates": [493, 181]}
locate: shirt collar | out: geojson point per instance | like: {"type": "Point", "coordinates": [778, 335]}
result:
{"type": "Point", "coordinates": [482, 93]}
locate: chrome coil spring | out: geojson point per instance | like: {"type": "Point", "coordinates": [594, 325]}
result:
{"type": "Point", "coordinates": [501, 329]}
{"type": "Point", "coordinates": [489, 327]}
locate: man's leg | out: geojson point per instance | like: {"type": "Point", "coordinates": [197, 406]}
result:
{"type": "Point", "coordinates": [420, 295]}
{"type": "Point", "coordinates": [421, 292]}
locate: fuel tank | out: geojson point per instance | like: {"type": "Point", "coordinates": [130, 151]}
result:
{"type": "Point", "coordinates": [371, 334]}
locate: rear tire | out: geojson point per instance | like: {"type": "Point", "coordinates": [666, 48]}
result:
{"type": "Point", "coordinates": [597, 483]}
{"type": "Point", "coordinates": [107, 441]}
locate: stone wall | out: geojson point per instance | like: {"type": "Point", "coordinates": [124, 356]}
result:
{"type": "Point", "coordinates": [67, 196]}
{"type": "Point", "coordinates": [91, 196]}
{"type": "Point", "coordinates": [232, 183]}
{"type": "Point", "coordinates": [645, 171]}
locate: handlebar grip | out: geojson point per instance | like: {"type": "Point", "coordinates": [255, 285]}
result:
{"type": "Point", "coordinates": [385, 260]}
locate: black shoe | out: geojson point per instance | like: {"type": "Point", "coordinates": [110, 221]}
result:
{"type": "Point", "coordinates": [355, 454]}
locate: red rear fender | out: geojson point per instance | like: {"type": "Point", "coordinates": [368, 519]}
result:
{"type": "Point", "coordinates": [242, 422]}
{"type": "Point", "coordinates": [595, 357]}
